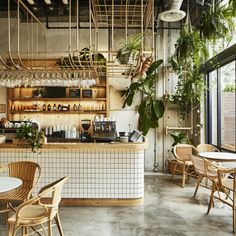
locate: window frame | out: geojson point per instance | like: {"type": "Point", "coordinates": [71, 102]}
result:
{"type": "Point", "coordinates": [223, 58]}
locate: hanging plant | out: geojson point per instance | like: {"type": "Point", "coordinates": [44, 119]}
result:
{"type": "Point", "coordinates": [190, 54]}
{"type": "Point", "coordinates": [128, 53]}
{"type": "Point", "coordinates": [150, 109]}
{"type": "Point", "coordinates": [217, 22]}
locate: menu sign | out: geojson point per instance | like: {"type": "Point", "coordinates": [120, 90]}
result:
{"type": "Point", "coordinates": [87, 93]}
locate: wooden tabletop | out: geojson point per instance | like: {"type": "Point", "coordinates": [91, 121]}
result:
{"type": "Point", "coordinates": [219, 156]}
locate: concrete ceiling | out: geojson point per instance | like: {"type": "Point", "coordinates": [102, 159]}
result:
{"type": "Point", "coordinates": [58, 12]}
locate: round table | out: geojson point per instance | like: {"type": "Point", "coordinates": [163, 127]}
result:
{"type": "Point", "coordinates": [219, 156]}
{"type": "Point", "coordinates": [9, 183]}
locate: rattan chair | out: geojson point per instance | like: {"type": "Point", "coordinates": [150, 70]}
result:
{"type": "Point", "coordinates": [29, 173]}
{"type": "Point", "coordinates": [207, 148]}
{"type": "Point", "coordinates": [33, 212]}
{"type": "Point", "coordinates": [204, 169]}
{"type": "Point", "coordinates": [227, 185]}
{"type": "Point", "coordinates": [183, 153]}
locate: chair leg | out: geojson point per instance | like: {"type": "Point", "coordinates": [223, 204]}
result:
{"type": "Point", "coordinates": [58, 222]}
{"type": "Point", "coordinates": [49, 228]}
{"type": "Point", "coordinates": [211, 202]}
{"type": "Point", "coordinates": [234, 214]}
{"type": "Point", "coordinates": [198, 183]}
{"type": "Point", "coordinates": [183, 176]}
{"type": "Point", "coordinates": [24, 230]}
{"type": "Point", "coordinates": [12, 229]}
{"type": "Point", "coordinates": [173, 174]}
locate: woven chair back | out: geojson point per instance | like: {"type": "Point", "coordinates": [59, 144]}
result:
{"type": "Point", "coordinates": [207, 148]}
{"type": "Point", "coordinates": [184, 151]}
{"type": "Point", "coordinates": [26, 171]}
{"type": "Point", "coordinates": [199, 165]}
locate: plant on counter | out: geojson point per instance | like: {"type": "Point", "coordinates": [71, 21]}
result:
{"type": "Point", "coordinates": [150, 109]}
{"type": "Point", "coordinates": [128, 53]}
{"type": "Point", "coordinates": [31, 135]}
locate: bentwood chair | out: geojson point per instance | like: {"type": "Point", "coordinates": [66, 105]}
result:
{"type": "Point", "coordinates": [204, 169]}
{"type": "Point", "coordinates": [183, 153]}
{"type": "Point", "coordinates": [29, 173]}
{"type": "Point", "coordinates": [33, 212]}
{"type": "Point", "coordinates": [207, 148]}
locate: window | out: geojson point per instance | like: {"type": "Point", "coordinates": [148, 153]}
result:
{"type": "Point", "coordinates": [220, 104]}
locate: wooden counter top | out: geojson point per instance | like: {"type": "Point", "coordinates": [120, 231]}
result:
{"type": "Point", "coordinates": [94, 146]}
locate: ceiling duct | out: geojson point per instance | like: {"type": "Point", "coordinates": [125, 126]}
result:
{"type": "Point", "coordinates": [174, 14]}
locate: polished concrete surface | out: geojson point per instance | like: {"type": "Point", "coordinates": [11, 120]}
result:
{"type": "Point", "coordinates": [168, 210]}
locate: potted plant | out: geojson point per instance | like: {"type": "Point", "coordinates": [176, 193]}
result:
{"type": "Point", "coordinates": [217, 22]}
{"type": "Point", "coordinates": [179, 137]}
{"type": "Point", "coordinates": [29, 137]}
{"type": "Point", "coordinates": [128, 53]}
{"type": "Point", "coordinates": [150, 109]}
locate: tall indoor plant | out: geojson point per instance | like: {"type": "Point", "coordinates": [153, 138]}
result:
{"type": "Point", "coordinates": [150, 109]}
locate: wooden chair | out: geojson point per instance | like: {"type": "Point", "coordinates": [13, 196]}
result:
{"type": "Point", "coordinates": [227, 184]}
{"type": "Point", "coordinates": [183, 153]}
{"type": "Point", "coordinates": [33, 212]}
{"type": "Point", "coordinates": [207, 148]}
{"type": "Point", "coordinates": [204, 169]}
{"type": "Point", "coordinates": [27, 172]}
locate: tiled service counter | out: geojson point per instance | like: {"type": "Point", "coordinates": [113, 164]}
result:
{"type": "Point", "coordinates": [99, 174]}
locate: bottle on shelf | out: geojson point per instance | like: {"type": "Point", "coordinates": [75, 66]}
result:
{"type": "Point", "coordinates": [49, 107]}
{"type": "Point", "coordinates": [68, 107]}
{"type": "Point", "coordinates": [54, 107]}
{"type": "Point", "coordinates": [79, 107]}
{"type": "Point", "coordinates": [74, 107]}
{"type": "Point", "coordinates": [59, 107]}
{"type": "Point", "coordinates": [44, 107]}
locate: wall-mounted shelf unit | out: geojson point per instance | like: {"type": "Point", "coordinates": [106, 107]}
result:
{"type": "Point", "coordinates": [170, 129]}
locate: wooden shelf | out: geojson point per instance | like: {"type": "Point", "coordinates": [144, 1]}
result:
{"type": "Point", "coordinates": [58, 99]}
{"type": "Point", "coordinates": [59, 112]}
{"type": "Point", "coordinates": [168, 128]}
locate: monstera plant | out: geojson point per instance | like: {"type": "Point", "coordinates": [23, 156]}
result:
{"type": "Point", "coordinates": [150, 109]}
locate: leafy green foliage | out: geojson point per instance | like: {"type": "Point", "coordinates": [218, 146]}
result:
{"type": "Point", "coordinates": [191, 53]}
{"type": "Point", "coordinates": [217, 22]}
{"type": "Point", "coordinates": [229, 88]}
{"type": "Point", "coordinates": [150, 109]}
{"type": "Point", "coordinates": [179, 137]}
{"type": "Point", "coordinates": [130, 49]}
{"type": "Point", "coordinates": [31, 135]}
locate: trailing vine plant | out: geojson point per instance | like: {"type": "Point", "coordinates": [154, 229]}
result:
{"type": "Point", "coordinates": [191, 53]}
{"type": "Point", "coordinates": [150, 109]}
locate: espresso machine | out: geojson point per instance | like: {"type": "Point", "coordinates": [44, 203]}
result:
{"type": "Point", "coordinates": [85, 136]}
{"type": "Point", "coordinates": [104, 131]}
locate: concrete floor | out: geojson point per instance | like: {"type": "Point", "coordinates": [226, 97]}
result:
{"type": "Point", "coordinates": [168, 210]}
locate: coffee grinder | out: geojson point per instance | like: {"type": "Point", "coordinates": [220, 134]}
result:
{"type": "Point", "coordinates": [85, 136]}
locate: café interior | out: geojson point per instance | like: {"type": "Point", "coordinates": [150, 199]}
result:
{"type": "Point", "coordinates": [118, 117]}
